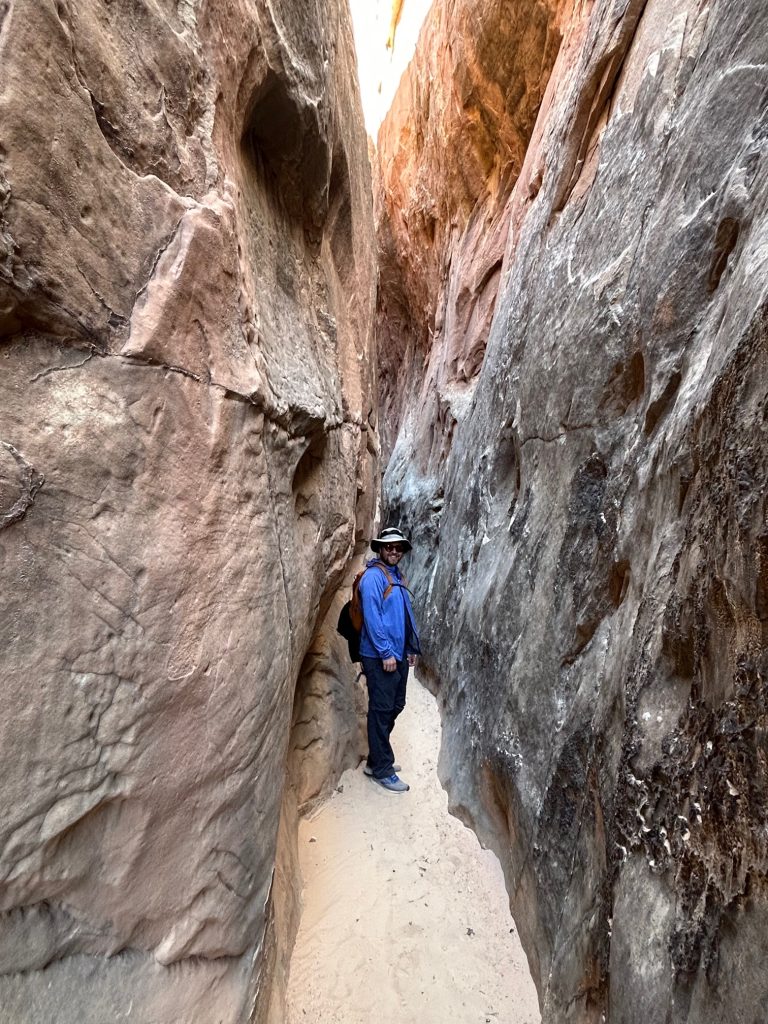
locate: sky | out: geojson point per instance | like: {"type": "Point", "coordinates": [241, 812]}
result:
{"type": "Point", "coordinates": [379, 68]}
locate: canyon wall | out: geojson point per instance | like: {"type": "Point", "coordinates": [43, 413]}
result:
{"type": "Point", "coordinates": [574, 353]}
{"type": "Point", "coordinates": [188, 459]}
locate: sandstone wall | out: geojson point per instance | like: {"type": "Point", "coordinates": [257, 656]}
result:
{"type": "Point", "coordinates": [187, 462]}
{"type": "Point", "coordinates": [588, 505]}
{"type": "Point", "coordinates": [449, 152]}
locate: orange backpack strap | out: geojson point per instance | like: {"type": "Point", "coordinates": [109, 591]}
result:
{"type": "Point", "coordinates": [356, 605]}
{"type": "Point", "coordinates": [390, 584]}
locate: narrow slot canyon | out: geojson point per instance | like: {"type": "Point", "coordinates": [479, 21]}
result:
{"type": "Point", "coordinates": [276, 275]}
{"type": "Point", "coordinates": [404, 916]}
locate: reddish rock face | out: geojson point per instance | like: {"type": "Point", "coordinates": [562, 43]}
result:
{"type": "Point", "coordinates": [587, 499]}
{"type": "Point", "coordinates": [449, 152]}
{"type": "Point", "coordinates": [187, 456]}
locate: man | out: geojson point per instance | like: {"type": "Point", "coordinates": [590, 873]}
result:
{"type": "Point", "coordinates": [389, 644]}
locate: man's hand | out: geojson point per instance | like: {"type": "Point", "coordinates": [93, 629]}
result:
{"type": "Point", "coordinates": [389, 664]}
{"type": "Point", "coordinates": [412, 660]}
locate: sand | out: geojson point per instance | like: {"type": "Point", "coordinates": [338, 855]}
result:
{"type": "Point", "coordinates": [405, 918]}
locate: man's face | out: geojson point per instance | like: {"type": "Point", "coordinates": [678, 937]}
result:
{"type": "Point", "coordinates": [391, 553]}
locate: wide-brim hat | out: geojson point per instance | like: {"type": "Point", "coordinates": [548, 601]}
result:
{"type": "Point", "coordinates": [392, 535]}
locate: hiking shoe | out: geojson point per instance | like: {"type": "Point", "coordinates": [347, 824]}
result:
{"type": "Point", "coordinates": [367, 770]}
{"type": "Point", "coordinates": [392, 783]}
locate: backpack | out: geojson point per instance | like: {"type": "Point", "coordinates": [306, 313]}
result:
{"type": "Point", "coordinates": [350, 623]}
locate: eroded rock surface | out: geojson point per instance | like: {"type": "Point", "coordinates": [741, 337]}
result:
{"type": "Point", "coordinates": [449, 152]}
{"type": "Point", "coordinates": [588, 507]}
{"type": "Point", "coordinates": [187, 457]}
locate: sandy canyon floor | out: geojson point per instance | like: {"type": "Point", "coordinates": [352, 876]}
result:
{"type": "Point", "coordinates": [405, 917]}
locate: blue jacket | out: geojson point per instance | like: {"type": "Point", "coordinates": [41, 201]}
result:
{"type": "Point", "coordinates": [389, 628]}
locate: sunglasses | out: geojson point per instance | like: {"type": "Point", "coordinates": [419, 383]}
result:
{"type": "Point", "coordinates": [393, 547]}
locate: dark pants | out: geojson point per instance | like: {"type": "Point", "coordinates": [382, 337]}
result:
{"type": "Point", "coordinates": [386, 699]}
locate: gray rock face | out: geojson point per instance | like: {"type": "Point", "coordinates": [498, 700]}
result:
{"type": "Point", "coordinates": [187, 456]}
{"type": "Point", "coordinates": [590, 522]}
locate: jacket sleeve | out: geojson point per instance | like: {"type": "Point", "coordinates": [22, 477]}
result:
{"type": "Point", "coordinates": [372, 587]}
